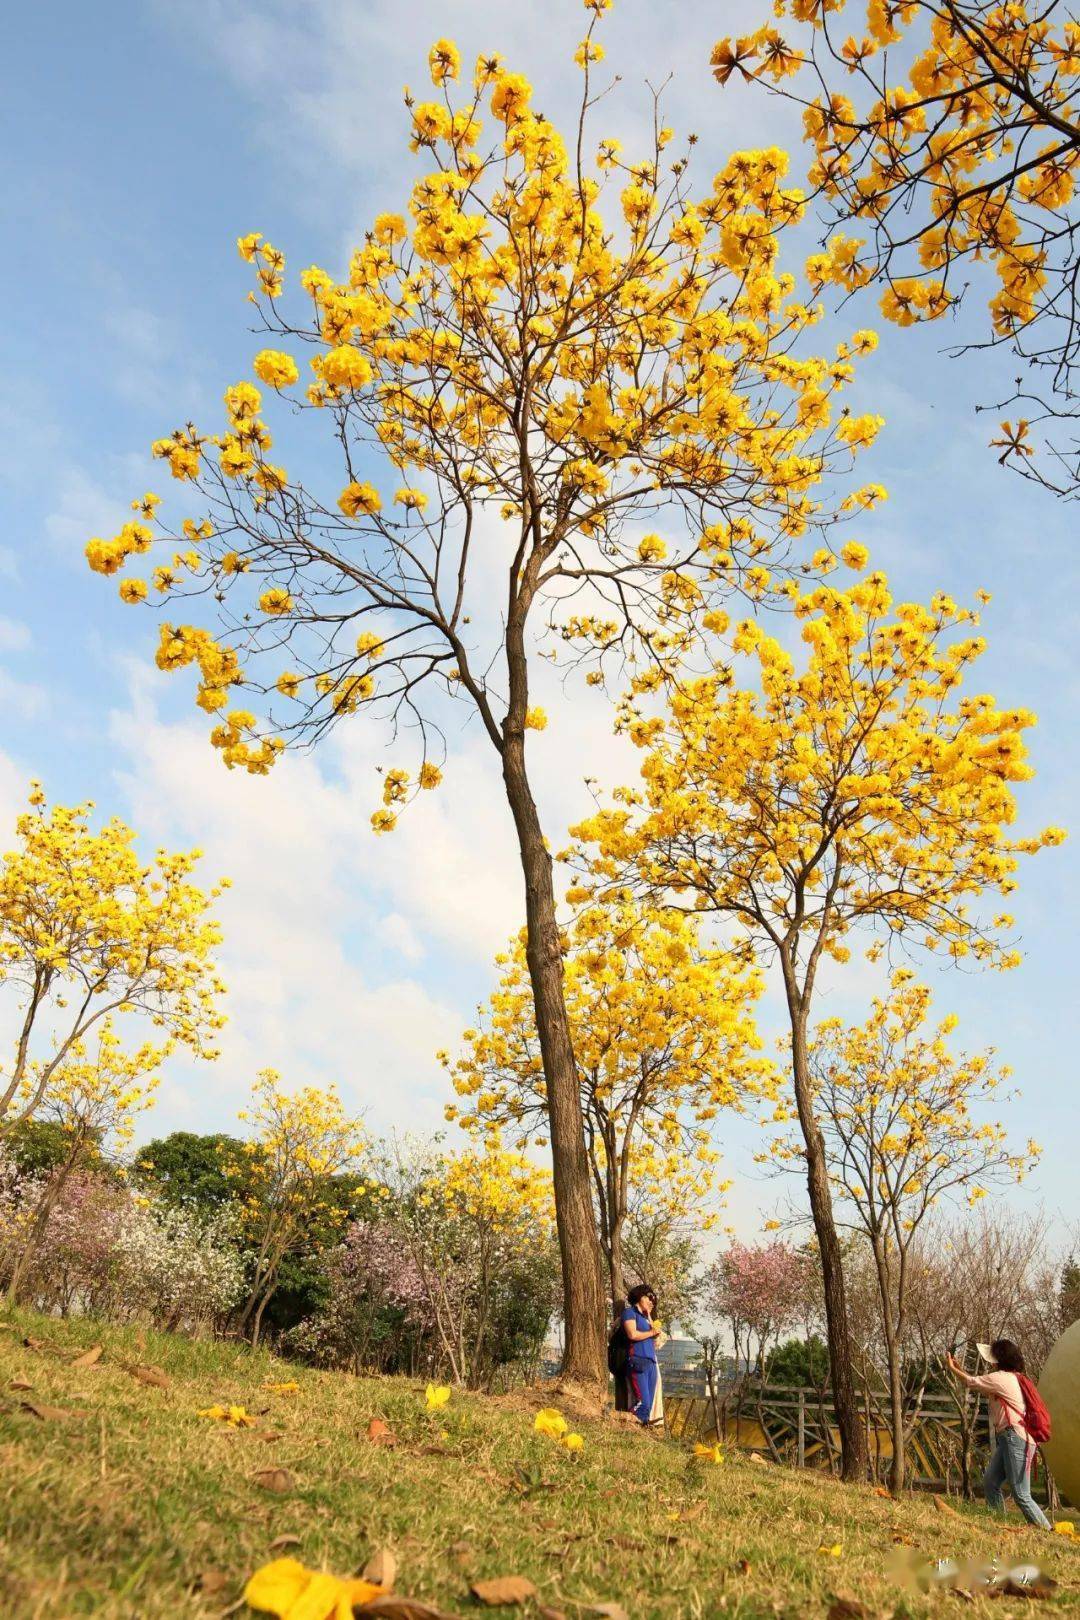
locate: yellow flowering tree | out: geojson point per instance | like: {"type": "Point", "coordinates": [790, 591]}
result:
{"type": "Point", "coordinates": [300, 1141]}
{"type": "Point", "coordinates": [854, 790]}
{"type": "Point", "coordinates": [545, 358]}
{"type": "Point", "coordinates": [664, 1039]}
{"type": "Point", "coordinates": [900, 1117]}
{"type": "Point", "coordinates": [948, 132]}
{"type": "Point", "coordinates": [477, 1226]}
{"type": "Point", "coordinates": [94, 1096]}
{"type": "Point", "coordinates": [89, 931]}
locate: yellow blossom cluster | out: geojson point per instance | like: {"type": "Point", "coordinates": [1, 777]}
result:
{"type": "Point", "coordinates": [92, 931]}
{"type": "Point", "coordinates": [664, 1040]}
{"type": "Point", "coordinates": [900, 1110]}
{"type": "Point", "coordinates": [499, 342]}
{"type": "Point", "coordinates": [961, 147]}
{"type": "Point", "coordinates": [857, 787]}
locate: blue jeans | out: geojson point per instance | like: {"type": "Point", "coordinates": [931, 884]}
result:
{"type": "Point", "coordinates": [641, 1377]}
{"type": "Point", "coordinates": [1009, 1461]}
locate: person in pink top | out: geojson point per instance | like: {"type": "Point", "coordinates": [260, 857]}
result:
{"type": "Point", "coordinates": [1013, 1450]}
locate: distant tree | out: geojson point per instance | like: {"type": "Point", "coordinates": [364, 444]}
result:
{"type": "Point", "coordinates": [300, 1142]}
{"type": "Point", "coordinates": [664, 1251]}
{"type": "Point", "coordinates": [198, 1172]}
{"type": "Point", "coordinates": [664, 1041]}
{"type": "Point", "coordinates": [904, 1126]}
{"type": "Point", "coordinates": [89, 931]}
{"type": "Point", "coordinates": [1070, 1292]}
{"type": "Point", "coordinates": [852, 791]}
{"type": "Point", "coordinates": [801, 1362]}
{"type": "Point", "coordinates": [37, 1146]}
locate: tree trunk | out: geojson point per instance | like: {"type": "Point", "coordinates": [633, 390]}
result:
{"type": "Point", "coordinates": [584, 1306]}
{"type": "Point", "coordinates": [46, 1204]}
{"type": "Point", "coordinates": [615, 1265]}
{"type": "Point", "coordinates": [853, 1446]}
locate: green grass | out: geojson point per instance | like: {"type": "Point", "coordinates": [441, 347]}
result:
{"type": "Point", "coordinates": [133, 1505]}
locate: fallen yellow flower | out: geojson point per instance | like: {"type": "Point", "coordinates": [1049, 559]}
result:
{"type": "Point", "coordinates": [286, 1589]}
{"type": "Point", "coordinates": [550, 1421]}
{"type": "Point", "coordinates": [1065, 1527]}
{"type": "Point", "coordinates": [289, 1388]}
{"type": "Point", "coordinates": [572, 1442]}
{"type": "Point", "coordinates": [236, 1416]}
{"type": "Point", "coordinates": [831, 1552]}
{"type": "Point", "coordinates": [437, 1396]}
{"type": "Point", "coordinates": [709, 1453]}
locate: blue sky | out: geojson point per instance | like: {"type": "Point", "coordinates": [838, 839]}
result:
{"type": "Point", "coordinates": [148, 136]}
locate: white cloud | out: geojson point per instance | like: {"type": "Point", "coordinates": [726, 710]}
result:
{"type": "Point", "coordinates": [82, 507]}
{"type": "Point", "coordinates": [14, 637]}
{"type": "Point", "coordinates": [323, 925]}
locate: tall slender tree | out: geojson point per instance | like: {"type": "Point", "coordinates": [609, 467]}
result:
{"type": "Point", "coordinates": [542, 383]}
{"type": "Point", "coordinates": [855, 793]}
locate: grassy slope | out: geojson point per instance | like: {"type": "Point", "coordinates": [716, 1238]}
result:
{"type": "Point", "coordinates": [121, 1508]}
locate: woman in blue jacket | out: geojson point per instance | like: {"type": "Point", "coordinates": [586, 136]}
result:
{"type": "Point", "coordinates": [642, 1371]}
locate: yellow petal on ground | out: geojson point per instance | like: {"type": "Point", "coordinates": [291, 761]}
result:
{"type": "Point", "coordinates": [361, 1591]}
{"type": "Point", "coordinates": [437, 1396]}
{"type": "Point", "coordinates": [275, 1587]}
{"type": "Point", "coordinates": [573, 1442]}
{"type": "Point", "coordinates": [1065, 1527]}
{"type": "Point", "coordinates": [322, 1599]}
{"type": "Point", "coordinates": [550, 1421]}
{"type": "Point", "coordinates": [831, 1552]}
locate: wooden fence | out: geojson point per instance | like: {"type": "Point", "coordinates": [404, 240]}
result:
{"type": "Point", "coordinates": [797, 1426]}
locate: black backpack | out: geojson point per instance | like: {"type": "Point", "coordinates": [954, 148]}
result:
{"type": "Point", "coordinates": [618, 1352]}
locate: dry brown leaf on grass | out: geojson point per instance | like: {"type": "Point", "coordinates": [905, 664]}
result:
{"type": "Point", "coordinates": [33, 1344]}
{"type": "Point", "coordinates": [395, 1607]}
{"type": "Point", "coordinates": [844, 1607]}
{"type": "Point", "coordinates": [1043, 1586]}
{"type": "Point", "coordinates": [152, 1376]}
{"type": "Point", "coordinates": [381, 1569]}
{"type": "Point", "coordinates": [210, 1581]}
{"type": "Point", "coordinates": [20, 1383]}
{"type": "Point", "coordinates": [503, 1589]}
{"type": "Point", "coordinates": [278, 1481]}
{"type": "Point", "coordinates": [610, 1611]}
{"type": "Point", "coordinates": [380, 1433]}
{"type": "Point", "coordinates": [89, 1358]}
{"type": "Point", "coordinates": [281, 1542]}
{"type": "Point", "coordinates": [47, 1414]}
{"type": "Point", "coordinates": [550, 1614]}
{"type": "Point", "coordinates": [943, 1508]}
{"type": "Point", "coordinates": [743, 1566]}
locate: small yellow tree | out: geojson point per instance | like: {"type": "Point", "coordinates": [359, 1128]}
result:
{"type": "Point", "coordinates": [858, 792]}
{"type": "Point", "coordinates": [301, 1140]}
{"type": "Point", "coordinates": [664, 1038]}
{"type": "Point", "coordinates": [87, 930]}
{"type": "Point", "coordinates": [551, 354]}
{"type": "Point", "coordinates": [949, 130]}
{"type": "Point", "coordinates": [899, 1114]}
{"type": "Point", "coordinates": [94, 1095]}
